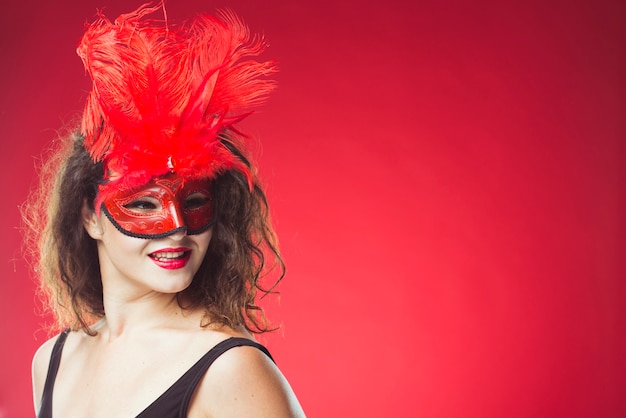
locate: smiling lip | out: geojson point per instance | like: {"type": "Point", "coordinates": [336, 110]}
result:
{"type": "Point", "coordinates": [171, 258]}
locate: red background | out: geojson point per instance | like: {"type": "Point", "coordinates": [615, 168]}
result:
{"type": "Point", "coordinates": [447, 180]}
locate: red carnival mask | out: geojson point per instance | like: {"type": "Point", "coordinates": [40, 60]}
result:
{"type": "Point", "coordinates": [161, 208]}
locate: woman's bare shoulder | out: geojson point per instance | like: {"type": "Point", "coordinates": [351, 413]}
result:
{"type": "Point", "coordinates": [41, 361]}
{"type": "Point", "coordinates": [244, 381]}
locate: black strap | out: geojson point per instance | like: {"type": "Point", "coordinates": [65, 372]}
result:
{"type": "Point", "coordinates": [179, 395]}
{"type": "Point", "coordinates": [215, 352]}
{"type": "Point", "coordinates": [45, 406]}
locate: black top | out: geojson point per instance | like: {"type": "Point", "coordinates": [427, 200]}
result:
{"type": "Point", "coordinates": [174, 401]}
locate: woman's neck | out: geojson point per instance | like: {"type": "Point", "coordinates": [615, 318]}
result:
{"type": "Point", "coordinates": [152, 310]}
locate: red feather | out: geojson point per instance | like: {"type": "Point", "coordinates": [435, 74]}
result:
{"type": "Point", "coordinates": [161, 95]}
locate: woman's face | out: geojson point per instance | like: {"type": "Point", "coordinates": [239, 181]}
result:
{"type": "Point", "coordinates": [164, 264]}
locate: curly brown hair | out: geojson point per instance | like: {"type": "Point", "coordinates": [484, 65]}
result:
{"type": "Point", "coordinates": [242, 252]}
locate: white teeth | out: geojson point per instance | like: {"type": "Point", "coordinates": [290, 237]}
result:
{"type": "Point", "coordinates": [168, 255]}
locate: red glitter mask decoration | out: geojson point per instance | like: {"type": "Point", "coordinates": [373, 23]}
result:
{"type": "Point", "coordinates": [161, 208]}
{"type": "Point", "coordinates": [165, 98]}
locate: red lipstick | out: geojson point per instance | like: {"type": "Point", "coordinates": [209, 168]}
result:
{"type": "Point", "coordinates": [171, 258]}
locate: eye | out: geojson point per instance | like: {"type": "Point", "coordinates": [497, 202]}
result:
{"type": "Point", "coordinates": [196, 200]}
{"type": "Point", "coordinates": [143, 205]}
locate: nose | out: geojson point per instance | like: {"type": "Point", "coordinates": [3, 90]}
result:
{"type": "Point", "coordinates": [177, 234]}
{"type": "Point", "coordinates": [176, 216]}
{"type": "Point", "coordinates": [177, 222]}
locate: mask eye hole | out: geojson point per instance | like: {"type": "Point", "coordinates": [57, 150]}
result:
{"type": "Point", "coordinates": [143, 205]}
{"type": "Point", "coordinates": [196, 200]}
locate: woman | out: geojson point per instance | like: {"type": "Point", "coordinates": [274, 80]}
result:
{"type": "Point", "coordinates": [157, 233]}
